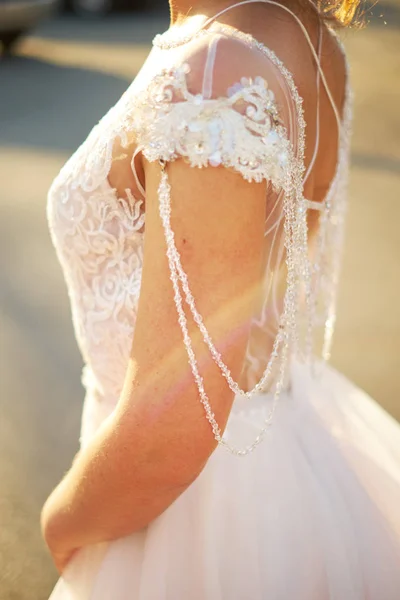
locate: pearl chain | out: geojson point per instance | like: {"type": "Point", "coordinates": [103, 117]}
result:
{"type": "Point", "coordinates": [164, 193]}
{"type": "Point", "coordinates": [260, 386]}
{"type": "Point", "coordinates": [161, 42]}
{"type": "Point", "coordinates": [295, 227]}
{"type": "Point", "coordinates": [300, 272]}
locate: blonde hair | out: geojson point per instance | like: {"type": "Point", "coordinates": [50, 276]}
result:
{"type": "Point", "coordinates": [341, 13]}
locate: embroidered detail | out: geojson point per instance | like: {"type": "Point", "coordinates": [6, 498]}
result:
{"type": "Point", "coordinates": [99, 238]}
{"type": "Point", "coordinates": [99, 242]}
{"type": "Point", "coordinates": [242, 130]}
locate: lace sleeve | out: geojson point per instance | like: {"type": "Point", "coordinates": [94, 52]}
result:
{"type": "Point", "coordinates": [240, 127]}
{"type": "Point", "coordinates": [233, 113]}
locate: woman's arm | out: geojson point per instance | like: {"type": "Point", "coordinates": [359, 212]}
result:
{"type": "Point", "coordinates": [158, 440]}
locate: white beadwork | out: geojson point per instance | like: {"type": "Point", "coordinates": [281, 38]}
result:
{"type": "Point", "coordinates": [300, 270]}
{"type": "Point", "coordinates": [295, 227]}
{"type": "Point", "coordinates": [173, 122]}
{"type": "Point", "coordinates": [99, 238]}
{"type": "Point", "coordinates": [164, 194]}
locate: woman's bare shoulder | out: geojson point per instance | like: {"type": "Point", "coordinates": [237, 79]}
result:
{"type": "Point", "coordinates": [283, 29]}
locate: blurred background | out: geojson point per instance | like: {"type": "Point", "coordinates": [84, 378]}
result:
{"type": "Point", "coordinates": [62, 67]}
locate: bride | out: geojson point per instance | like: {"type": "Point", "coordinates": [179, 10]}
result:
{"type": "Point", "coordinates": [200, 228]}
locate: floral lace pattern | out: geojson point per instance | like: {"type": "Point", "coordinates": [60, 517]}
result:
{"type": "Point", "coordinates": [99, 236]}
{"type": "Point", "coordinates": [241, 130]}
{"type": "Point", "coordinates": [99, 240]}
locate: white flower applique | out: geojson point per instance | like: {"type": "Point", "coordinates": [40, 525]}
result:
{"type": "Point", "coordinates": [241, 130]}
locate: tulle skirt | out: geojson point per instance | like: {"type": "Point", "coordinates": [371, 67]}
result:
{"type": "Point", "coordinates": [312, 514]}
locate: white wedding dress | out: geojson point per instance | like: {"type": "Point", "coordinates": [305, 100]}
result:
{"type": "Point", "coordinates": [313, 513]}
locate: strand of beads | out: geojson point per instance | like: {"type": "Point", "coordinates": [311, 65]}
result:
{"type": "Point", "coordinates": [164, 193]}
{"type": "Point", "coordinates": [295, 231]}
{"type": "Point", "coordinates": [289, 304]}
{"type": "Point", "coordinates": [289, 309]}
{"type": "Point", "coordinates": [337, 223]}
{"type": "Point", "coordinates": [209, 342]}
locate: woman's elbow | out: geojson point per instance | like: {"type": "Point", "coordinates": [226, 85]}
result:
{"type": "Point", "coordinates": [174, 464]}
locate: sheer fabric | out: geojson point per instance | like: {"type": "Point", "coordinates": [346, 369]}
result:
{"type": "Point", "coordinates": [313, 512]}
{"type": "Point", "coordinates": [196, 108]}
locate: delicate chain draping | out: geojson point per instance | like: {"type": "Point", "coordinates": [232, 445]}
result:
{"type": "Point", "coordinates": [99, 237]}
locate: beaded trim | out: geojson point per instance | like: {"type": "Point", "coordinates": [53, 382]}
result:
{"type": "Point", "coordinates": [299, 269]}
{"type": "Point", "coordinates": [174, 122]}
{"type": "Point", "coordinates": [177, 277]}
{"type": "Point", "coordinates": [295, 230]}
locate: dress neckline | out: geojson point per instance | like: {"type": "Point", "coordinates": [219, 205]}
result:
{"type": "Point", "coordinates": [167, 40]}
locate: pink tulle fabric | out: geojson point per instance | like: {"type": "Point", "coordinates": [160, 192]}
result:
{"type": "Point", "coordinates": [312, 514]}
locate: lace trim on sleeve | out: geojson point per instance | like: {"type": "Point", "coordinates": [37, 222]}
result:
{"type": "Point", "coordinates": [242, 130]}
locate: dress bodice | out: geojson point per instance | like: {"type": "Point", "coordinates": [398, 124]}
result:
{"type": "Point", "coordinates": [99, 241]}
{"type": "Point", "coordinates": [99, 237]}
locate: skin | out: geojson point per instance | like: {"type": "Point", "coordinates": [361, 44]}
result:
{"type": "Point", "coordinates": [157, 441]}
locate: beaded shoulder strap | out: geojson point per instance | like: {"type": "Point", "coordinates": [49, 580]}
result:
{"type": "Point", "coordinates": [269, 161]}
{"type": "Point", "coordinates": [298, 280]}
{"type": "Point", "coordinates": [281, 345]}
{"type": "Point", "coordinates": [315, 54]}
